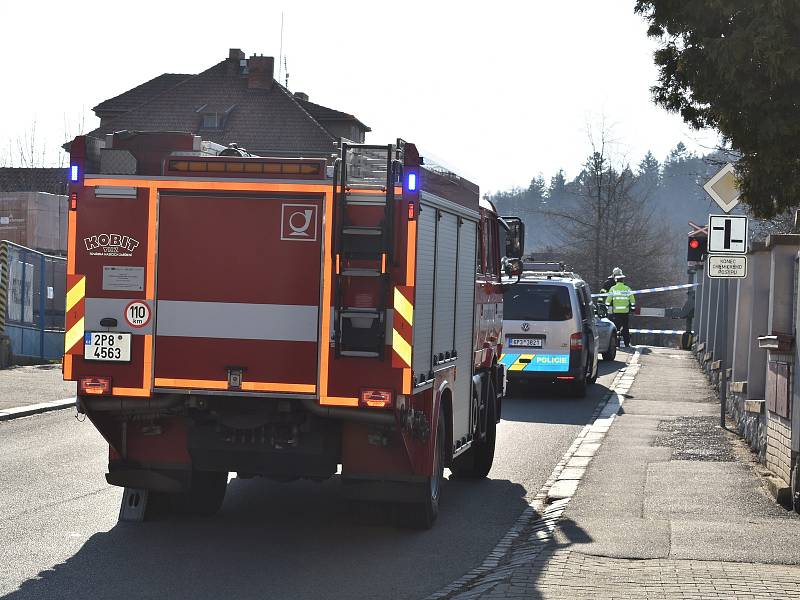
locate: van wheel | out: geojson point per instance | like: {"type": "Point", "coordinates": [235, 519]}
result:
{"type": "Point", "coordinates": [422, 515]}
{"type": "Point", "coordinates": [591, 377]}
{"type": "Point", "coordinates": [476, 462]}
{"type": "Point", "coordinates": [577, 388]}
{"type": "Point", "coordinates": [611, 353]}
{"type": "Point", "coordinates": [204, 497]}
{"type": "Point", "coordinates": [511, 388]}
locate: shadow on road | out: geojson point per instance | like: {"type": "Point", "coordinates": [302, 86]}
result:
{"type": "Point", "coordinates": [299, 540]}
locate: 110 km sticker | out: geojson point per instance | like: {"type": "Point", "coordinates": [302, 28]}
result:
{"type": "Point", "coordinates": [137, 314]}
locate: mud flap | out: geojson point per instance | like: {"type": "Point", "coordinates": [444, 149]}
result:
{"type": "Point", "coordinates": [134, 505]}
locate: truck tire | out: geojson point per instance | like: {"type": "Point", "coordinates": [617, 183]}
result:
{"type": "Point", "coordinates": [204, 497]}
{"type": "Point", "coordinates": [611, 353]}
{"type": "Point", "coordinates": [422, 515]}
{"type": "Point", "coordinates": [476, 462]}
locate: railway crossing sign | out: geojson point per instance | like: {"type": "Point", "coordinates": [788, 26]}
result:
{"type": "Point", "coordinates": [727, 234]}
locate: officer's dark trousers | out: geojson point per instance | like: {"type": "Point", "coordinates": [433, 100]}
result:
{"type": "Point", "coordinates": [621, 321]}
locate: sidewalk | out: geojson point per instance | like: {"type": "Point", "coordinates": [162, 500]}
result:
{"type": "Point", "coordinates": [669, 507]}
{"type": "Point", "coordinates": [24, 386]}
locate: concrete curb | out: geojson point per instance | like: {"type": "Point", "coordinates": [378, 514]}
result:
{"type": "Point", "coordinates": [35, 409]}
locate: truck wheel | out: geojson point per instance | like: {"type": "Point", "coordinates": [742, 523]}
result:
{"type": "Point", "coordinates": [611, 353]}
{"type": "Point", "coordinates": [204, 497]}
{"type": "Point", "coordinates": [422, 515]}
{"type": "Point", "coordinates": [476, 462]}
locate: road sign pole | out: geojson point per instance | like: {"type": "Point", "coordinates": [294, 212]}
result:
{"type": "Point", "coordinates": [723, 392]}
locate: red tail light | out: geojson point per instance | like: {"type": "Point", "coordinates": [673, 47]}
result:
{"type": "Point", "coordinates": [566, 377]}
{"type": "Point", "coordinates": [376, 398]}
{"type": "Point", "coordinates": [95, 385]}
{"type": "Point", "coordinates": [412, 211]}
{"type": "Point", "coordinates": [73, 201]}
{"type": "Point", "coordinates": [576, 341]}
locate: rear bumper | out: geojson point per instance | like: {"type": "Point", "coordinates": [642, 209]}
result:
{"type": "Point", "coordinates": [561, 376]}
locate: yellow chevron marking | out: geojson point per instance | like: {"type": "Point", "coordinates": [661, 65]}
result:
{"type": "Point", "coordinates": [77, 292]}
{"type": "Point", "coordinates": [73, 336]}
{"type": "Point", "coordinates": [519, 365]}
{"type": "Point", "coordinates": [402, 347]}
{"type": "Point", "coordinates": [403, 307]}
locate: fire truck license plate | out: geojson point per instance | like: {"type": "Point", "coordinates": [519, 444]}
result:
{"type": "Point", "coordinates": [527, 342]}
{"type": "Point", "coordinates": [107, 346]}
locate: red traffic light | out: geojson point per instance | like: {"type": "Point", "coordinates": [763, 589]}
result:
{"type": "Point", "coordinates": [694, 244]}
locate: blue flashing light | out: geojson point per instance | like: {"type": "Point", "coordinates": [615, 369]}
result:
{"type": "Point", "coordinates": [412, 182]}
{"type": "Point", "coordinates": [73, 173]}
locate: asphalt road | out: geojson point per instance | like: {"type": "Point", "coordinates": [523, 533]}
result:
{"type": "Point", "coordinates": [59, 535]}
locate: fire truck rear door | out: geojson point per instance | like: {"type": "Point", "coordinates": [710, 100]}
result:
{"type": "Point", "coordinates": [238, 291]}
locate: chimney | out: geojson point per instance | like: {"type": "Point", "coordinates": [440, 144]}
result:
{"type": "Point", "coordinates": [301, 96]}
{"type": "Point", "coordinates": [260, 71]}
{"type": "Point", "coordinates": [234, 62]}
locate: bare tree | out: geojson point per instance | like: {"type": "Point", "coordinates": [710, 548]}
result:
{"type": "Point", "coordinates": [605, 222]}
{"type": "Point", "coordinates": [30, 150]}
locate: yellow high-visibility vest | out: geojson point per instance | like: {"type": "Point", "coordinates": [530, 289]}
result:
{"type": "Point", "coordinates": [620, 299]}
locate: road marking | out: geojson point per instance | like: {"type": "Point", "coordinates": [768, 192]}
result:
{"type": "Point", "coordinates": [34, 409]}
{"type": "Point", "coordinates": [535, 526]}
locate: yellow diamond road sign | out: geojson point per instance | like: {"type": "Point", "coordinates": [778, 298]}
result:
{"type": "Point", "coordinates": [724, 188]}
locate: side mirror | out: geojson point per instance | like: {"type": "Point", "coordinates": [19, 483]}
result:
{"type": "Point", "coordinates": [514, 237]}
{"type": "Point", "coordinates": [600, 310]}
{"type": "Point", "coordinates": [512, 267]}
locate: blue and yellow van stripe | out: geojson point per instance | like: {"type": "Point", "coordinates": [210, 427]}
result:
{"type": "Point", "coordinates": [532, 362]}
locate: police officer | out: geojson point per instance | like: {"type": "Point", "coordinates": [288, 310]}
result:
{"type": "Point", "coordinates": [621, 302]}
{"type": "Point", "coordinates": [609, 282]}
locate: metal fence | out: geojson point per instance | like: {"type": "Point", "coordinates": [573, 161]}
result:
{"type": "Point", "coordinates": [32, 299]}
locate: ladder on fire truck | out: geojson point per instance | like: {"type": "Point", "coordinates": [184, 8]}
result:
{"type": "Point", "coordinates": [364, 193]}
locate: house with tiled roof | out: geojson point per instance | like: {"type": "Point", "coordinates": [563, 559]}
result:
{"type": "Point", "coordinates": [236, 101]}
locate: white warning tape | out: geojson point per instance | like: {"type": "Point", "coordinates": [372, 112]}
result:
{"type": "Point", "coordinates": [668, 288]}
{"type": "Point", "coordinates": [666, 331]}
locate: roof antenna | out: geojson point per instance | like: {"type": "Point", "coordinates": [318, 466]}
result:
{"type": "Point", "coordinates": [280, 52]}
{"type": "Point", "coordinates": [285, 68]}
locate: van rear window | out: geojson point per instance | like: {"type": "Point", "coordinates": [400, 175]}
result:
{"type": "Point", "coordinates": [537, 303]}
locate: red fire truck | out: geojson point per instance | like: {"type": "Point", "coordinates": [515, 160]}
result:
{"type": "Point", "coordinates": [283, 317]}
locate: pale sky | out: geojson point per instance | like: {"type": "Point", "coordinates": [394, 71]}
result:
{"type": "Point", "coordinates": [499, 90]}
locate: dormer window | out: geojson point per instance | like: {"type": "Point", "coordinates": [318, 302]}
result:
{"type": "Point", "coordinates": [212, 120]}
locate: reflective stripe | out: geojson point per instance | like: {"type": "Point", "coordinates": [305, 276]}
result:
{"type": "Point", "coordinates": [401, 347]}
{"type": "Point", "coordinates": [73, 336]}
{"type": "Point", "coordinates": [77, 292]}
{"type": "Point", "coordinates": [231, 320]}
{"type": "Point", "coordinates": [99, 308]}
{"type": "Point", "coordinates": [403, 307]}
{"type": "Point", "coordinates": [247, 386]}
{"type": "Point", "coordinates": [519, 365]}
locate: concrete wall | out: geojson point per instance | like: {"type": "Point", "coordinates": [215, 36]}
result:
{"type": "Point", "coordinates": [765, 303]}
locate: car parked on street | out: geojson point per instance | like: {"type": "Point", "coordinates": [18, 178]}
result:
{"type": "Point", "coordinates": [549, 331]}
{"type": "Point", "coordinates": [607, 332]}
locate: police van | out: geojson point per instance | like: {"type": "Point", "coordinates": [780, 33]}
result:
{"type": "Point", "coordinates": [549, 330]}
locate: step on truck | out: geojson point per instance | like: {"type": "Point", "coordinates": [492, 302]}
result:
{"type": "Point", "coordinates": [283, 317]}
